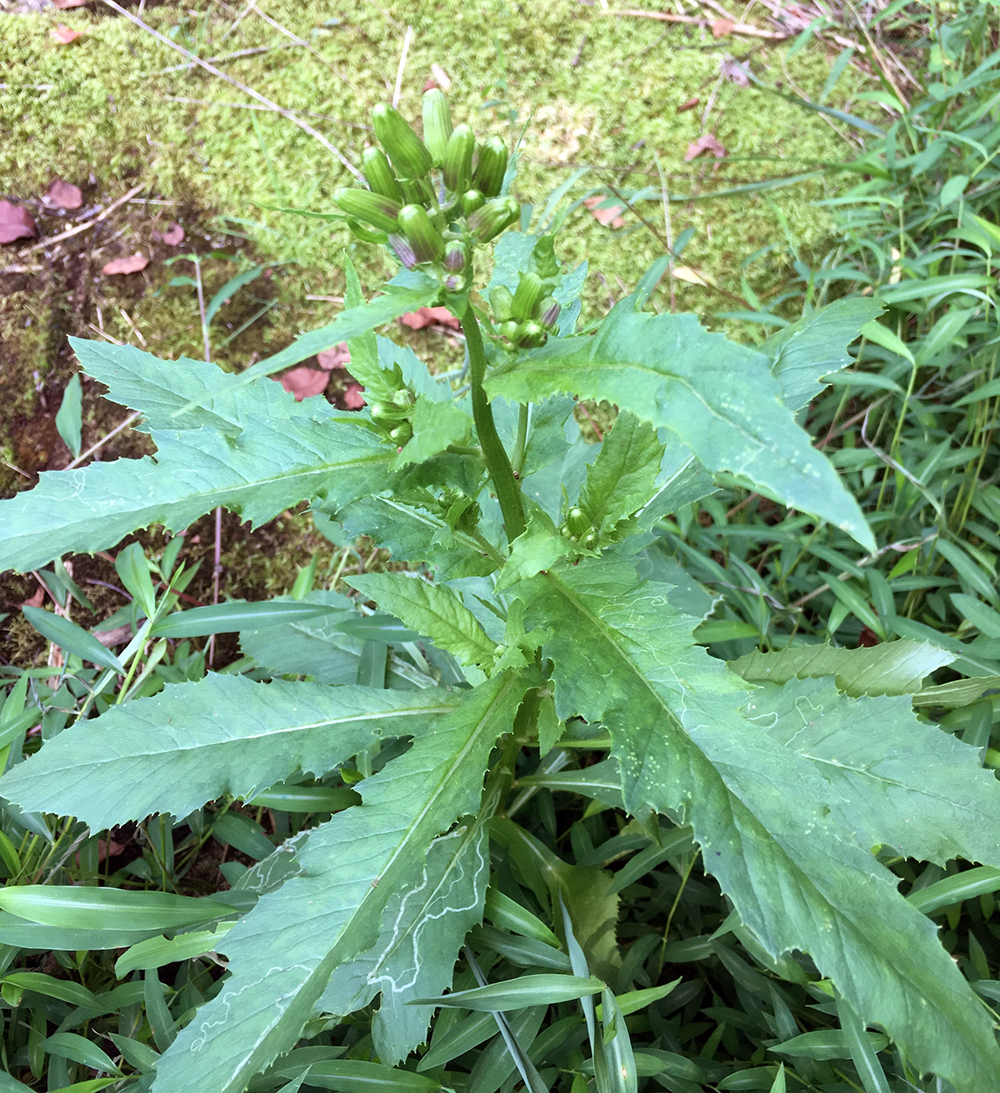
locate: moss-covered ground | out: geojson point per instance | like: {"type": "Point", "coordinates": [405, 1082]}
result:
{"type": "Point", "coordinates": [580, 87]}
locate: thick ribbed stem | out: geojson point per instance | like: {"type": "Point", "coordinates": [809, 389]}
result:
{"type": "Point", "coordinates": [504, 483]}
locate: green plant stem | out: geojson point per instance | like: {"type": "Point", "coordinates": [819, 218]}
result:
{"type": "Point", "coordinates": [517, 459]}
{"type": "Point", "coordinates": [501, 472]}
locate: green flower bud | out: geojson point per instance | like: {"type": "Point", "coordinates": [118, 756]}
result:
{"type": "Point", "coordinates": [379, 175]}
{"type": "Point", "coordinates": [493, 218]}
{"type": "Point", "coordinates": [417, 191]}
{"type": "Point", "coordinates": [578, 523]}
{"type": "Point", "coordinates": [456, 256]}
{"type": "Point", "coordinates": [502, 302]}
{"type": "Point", "coordinates": [404, 148]}
{"type": "Point", "coordinates": [531, 335]}
{"type": "Point", "coordinates": [548, 312]}
{"type": "Point", "coordinates": [404, 398]}
{"type": "Point", "coordinates": [509, 330]}
{"type": "Point", "coordinates": [437, 124]}
{"type": "Point", "coordinates": [470, 201]}
{"type": "Point", "coordinates": [401, 434]}
{"type": "Point", "coordinates": [380, 212]}
{"type": "Point", "coordinates": [491, 167]}
{"type": "Point", "coordinates": [426, 241]}
{"type": "Point", "coordinates": [530, 292]}
{"type": "Point", "coordinates": [457, 166]}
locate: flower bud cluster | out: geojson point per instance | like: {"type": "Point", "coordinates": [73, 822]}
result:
{"type": "Point", "coordinates": [432, 199]}
{"type": "Point", "coordinates": [527, 317]}
{"type": "Point", "coordinates": [393, 415]}
{"type": "Point", "coordinates": [578, 527]}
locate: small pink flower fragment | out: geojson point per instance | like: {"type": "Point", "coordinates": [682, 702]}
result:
{"type": "Point", "coordinates": [611, 215]}
{"type": "Point", "coordinates": [15, 223]}
{"type": "Point", "coordinates": [63, 195]}
{"type": "Point", "coordinates": [336, 357]}
{"type": "Point", "coordinates": [69, 4]}
{"type": "Point", "coordinates": [133, 264]}
{"type": "Point", "coordinates": [722, 27]}
{"type": "Point", "coordinates": [64, 35]}
{"type": "Point", "coordinates": [353, 396]}
{"type": "Point", "coordinates": [430, 316]}
{"type": "Point", "coordinates": [306, 381]}
{"type": "Point", "coordinates": [174, 235]}
{"type": "Point", "coordinates": [708, 143]}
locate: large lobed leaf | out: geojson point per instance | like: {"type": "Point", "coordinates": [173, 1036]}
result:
{"type": "Point", "coordinates": [283, 952]}
{"type": "Point", "coordinates": [816, 346]}
{"type": "Point", "coordinates": [890, 668]}
{"type": "Point", "coordinates": [434, 611]}
{"type": "Point", "coordinates": [762, 813]}
{"type": "Point", "coordinates": [260, 463]}
{"type": "Point", "coordinates": [196, 742]}
{"type": "Point", "coordinates": [720, 398]}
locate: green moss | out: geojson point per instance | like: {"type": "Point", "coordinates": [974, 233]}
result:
{"type": "Point", "coordinates": [113, 110]}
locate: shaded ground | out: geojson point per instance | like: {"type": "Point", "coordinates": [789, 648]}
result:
{"type": "Point", "coordinates": [154, 141]}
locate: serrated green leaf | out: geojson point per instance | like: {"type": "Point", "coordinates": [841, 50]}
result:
{"type": "Point", "coordinates": [513, 994]}
{"type": "Point", "coordinates": [268, 467]}
{"type": "Point", "coordinates": [890, 668]}
{"type": "Point", "coordinates": [160, 388]}
{"type": "Point", "coordinates": [538, 548]}
{"type": "Point", "coordinates": [422, 930]}
{"type": "Point", "coordinates": [896, 781]}
{"type": "Point", "coordinates": [816, 346]}
{"type": "Point", "coordinates": [436, 426]}
{"type": "Point", "coordinates": [348, 325]}
{"type": "Point", "coordinates": [110, 769]}
{"type": "Point", "coordinates": [718, 397]}
{"type": "Point", "coordinates": [432, 610]}
{"type": "Point", "coordinates": [413, 534]}
{"type": "Point", "coordinates": [72, 638]}
{"type": "Point", "coordinates": [623, 478]}
{"type": "Point", "coordinates": [623, 657]}
{"type": "Point", "coordinates": [283, 951]}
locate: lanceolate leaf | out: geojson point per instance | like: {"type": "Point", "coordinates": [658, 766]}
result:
{"type": "Point", "coordinates": [416, 535]}
{"type": "Point", "coordinates": [890, 668]}
{"type": "Point", "coordinates": [262, 471]}
{"type": "Point", "coordinates": [432, 610]}
{"type": "Point", "coordinates": [160, 388]}
{"type": "Point", "coordinates": [719, 397]}
{"type": "Point", "coordinates": [896, 781]}
{"type": "Point", "coordinates": [110, 770]}
{"type": "Point", "coordinates": [348, 325]}
{"type": "Point", "coordinates": [623, 478]}
{"type": "Point", "coordinates": [797, 878]}
{"type": "Point", "coordinates": [423, 928]}
{"type": "Point", "coordinates": [816, 346]}
{"type": "Point", "coordinates": [283, 951]}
